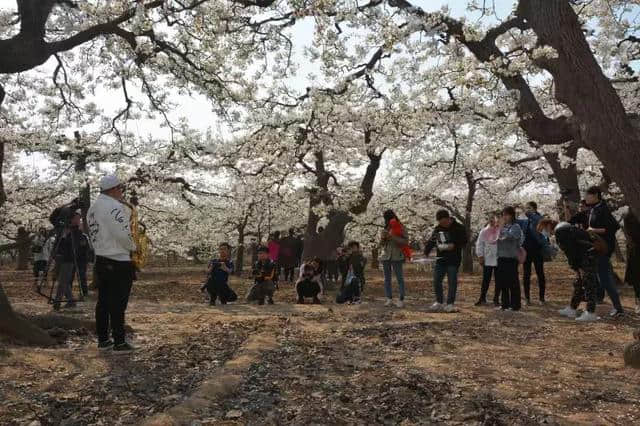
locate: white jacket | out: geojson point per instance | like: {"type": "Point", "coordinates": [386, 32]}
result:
{"type": "Point", "coordinates": [486, 248]}
{"type": "Point", "coordinates": [109, 229]}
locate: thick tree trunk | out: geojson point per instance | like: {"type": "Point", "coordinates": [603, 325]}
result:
{"type": "Point", "coordinates": [467, 252]}
{"type": "Point", "coordinates": [240, 251]}
{"type": "Point", "coordinates": [324, 244]}
{"type": "Point", "coordinates": [23, 240]}
{"type": "Point", "coordinates": [581, 85]}
{"type": "Point", "coordinates": [375, 255]}
{"type": "Point", "coordinates": [85, 191]}
{"type": "Point", "coordinates": [3, 195]}
{"type": "Point", "coordinates": [18, 328]}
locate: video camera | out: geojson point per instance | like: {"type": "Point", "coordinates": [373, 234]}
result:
{"type": "Point", "coordinates": [61, 216]}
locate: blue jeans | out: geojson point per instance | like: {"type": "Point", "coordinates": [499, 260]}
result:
{"type": "Point", "coordinates": [396, 265]}
{"type": "Point", "coordinates": [605, 275]}
{"type": "Point", "coordinates": [451, 271]}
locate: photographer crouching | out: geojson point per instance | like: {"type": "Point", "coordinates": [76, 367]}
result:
{"type": "Point", "coordinates": [110, 233]}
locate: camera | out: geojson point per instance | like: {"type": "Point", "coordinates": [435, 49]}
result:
{"type": "Point", "coordinates": [61, 216]}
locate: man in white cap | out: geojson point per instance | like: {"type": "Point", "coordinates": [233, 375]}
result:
{"type": "Point", "coordinates": [110, 233]}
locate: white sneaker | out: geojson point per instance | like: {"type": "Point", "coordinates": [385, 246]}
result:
{"type": "Point", "coordinates": [451, 308]}
{"type": "Point", "coordinates": [436, 307]}
{"type": "Point", "coordinates": [389, 302]}
{"type": "Point", "coordinates": [568, 312]}
{"type": "Point", "coordinates": [587, 317]}
{"type": "Point", "coordinates": [615, 313]}
{"type": "Point", "coordinates": [400, 304]}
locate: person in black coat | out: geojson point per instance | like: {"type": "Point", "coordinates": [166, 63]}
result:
{"type": "Point", "coordinates": [449, 238]}
{"type": "Point", "coordinates": [601, 222]}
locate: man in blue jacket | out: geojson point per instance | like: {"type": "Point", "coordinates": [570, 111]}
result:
{"type": "Point", "coordinates": [533, 244]}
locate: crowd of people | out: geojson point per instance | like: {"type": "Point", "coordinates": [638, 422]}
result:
{"type": "Point", "coordinates": [506, 242]}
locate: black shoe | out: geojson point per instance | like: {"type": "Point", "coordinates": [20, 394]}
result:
{"type": "Point", "coordinates": [300, 301]}
{"type": "Point", "coordinates": [261, 302]}
{"type": "Point", "coordinates": [316, 301]}
{"type": "Point", "coordinates": [481, 302]}
{"type": "Point", "coordinates": [104, 345]}
{"type": "Point", "coordinates": [123, 348]}
{"type": "Point", "coordinates": [270, 301]}
{"type": "Point", "coordinates": [212, 302]}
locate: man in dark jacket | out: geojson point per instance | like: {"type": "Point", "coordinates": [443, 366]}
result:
{"type": "Point", "coordinates": [449, 238]}
{"type": "Point", "coordinates": [533, 244]}
{"type": "Point", "coordinates": [602, 222]}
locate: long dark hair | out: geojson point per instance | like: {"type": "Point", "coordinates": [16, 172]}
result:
{"type": "Point", "coordinates": [388, 215]}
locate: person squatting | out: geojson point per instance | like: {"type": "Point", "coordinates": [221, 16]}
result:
{"type": "Point", "coordinates": [506, 242]}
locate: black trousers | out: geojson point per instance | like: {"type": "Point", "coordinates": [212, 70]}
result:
{"type": "Point", "coordinates": [221, 291]}
{"type": "Point", "coordinates": [349, 292]}
{"type": "Point", "coordinates": [288, 273]}
{"type": "Point", "coordinates": [114, 286]}
{"type": "Point", "coordinates": [307, 288]}
{"type": "Point", "coordinates": [508, 283]}
{"type": "Point", "coordinates": [261, 290]}
{"type": "Point", "coordinates": [487, 273]}
{"type": "Point", "coordinates": [585, 286]}
{"type": "Point", "coordinates": [536, 259]}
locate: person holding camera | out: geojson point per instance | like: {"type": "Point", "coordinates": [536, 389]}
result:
{"type": "Point", "coordinates": [263, 273]}
{"type": "Point", "coordinates": [71, 257]}
{"type": "Point", "coordinates": [448, 238]}
{"type": "Point", "coordinates": [218, 277]}
{"type": "Point", "coordinates": [109, 221]}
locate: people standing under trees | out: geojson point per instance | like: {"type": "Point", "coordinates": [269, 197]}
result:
{"type": "Point", "coordinates": [273, 244]}
{"type": "Point", "coordinates": [602, 222]}
{"type": "Point", "coordinates": [487, 252]}
{"type": "Point", "coordinates": [533, 244]}
{"type": "Point", "coordinates": [72, 255]}
{"type": "Point", "coordinates": [287, 256]}
{"type": "Point", "coordinates": [449, 238]}
{"type": "Point", "coordinates": [392, 258]}
{"type": "Point", "coordinates": [581, 249]}
{"type": "Point", "coordinates": [109, 221]}
{"type": "Point", "coordinates": [510, 242]}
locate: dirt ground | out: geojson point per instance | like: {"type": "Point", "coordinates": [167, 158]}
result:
{"type": "Point", "coordinates": [331, 364]}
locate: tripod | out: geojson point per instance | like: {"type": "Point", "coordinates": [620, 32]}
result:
{"type": "Point", "coordinates": [62, 230]}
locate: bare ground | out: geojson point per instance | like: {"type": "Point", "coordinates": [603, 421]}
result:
{"type": "Point", "coordinates": [332, 364]}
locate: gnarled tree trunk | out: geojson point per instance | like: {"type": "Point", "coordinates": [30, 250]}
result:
{"type": "Point", "coordinates": [581, 85]}
{"type": "Point", "coordinates": [324, 244]}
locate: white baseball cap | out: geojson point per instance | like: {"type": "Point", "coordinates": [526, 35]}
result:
{"type": "Point", "coordinates": [109, 182]}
